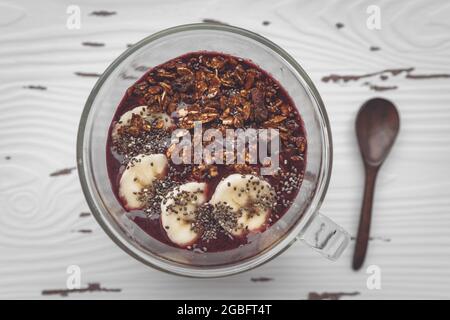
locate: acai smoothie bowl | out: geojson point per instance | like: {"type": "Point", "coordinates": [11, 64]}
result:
{"type": "Point", "coordinates": [205, 150]}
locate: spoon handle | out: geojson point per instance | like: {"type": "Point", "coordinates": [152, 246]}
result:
{"type": "Point", "coordinates": [362, 238]}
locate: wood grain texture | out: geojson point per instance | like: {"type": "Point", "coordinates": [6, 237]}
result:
{"type": "Point", "coordinates": [40, 214]}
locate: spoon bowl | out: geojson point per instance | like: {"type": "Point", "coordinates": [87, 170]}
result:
{"type": "Point", "coordinates": [377, 126]}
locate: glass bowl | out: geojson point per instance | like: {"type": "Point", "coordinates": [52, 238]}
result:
{"type": "Point", "coordinates": [301, 221]}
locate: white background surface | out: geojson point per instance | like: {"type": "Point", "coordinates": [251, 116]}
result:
{"type": "Point", "coordinates": [41, 231]}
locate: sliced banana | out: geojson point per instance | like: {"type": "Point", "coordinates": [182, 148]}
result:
{"type": "Point", "coordinates": [178, 212]}
{"type": "Point", "coordinates": [250, 197]}
{"type": "Point", "coordinates": [125, 119]}
{"type": "Point", "coordinates": [140, 173]}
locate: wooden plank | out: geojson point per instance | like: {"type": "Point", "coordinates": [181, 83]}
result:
{"type": "Point", "coordinates": [47, 72]}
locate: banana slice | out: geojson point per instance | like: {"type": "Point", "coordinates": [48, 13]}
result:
{"type": "Point", "coordinates": [140, 173]}
{"type": "Point", "coordinates": [250, 197]}
{"type": "Point", "coordinates": [178, 212]}
{"type": "Point", "coordinates": [125, 119]}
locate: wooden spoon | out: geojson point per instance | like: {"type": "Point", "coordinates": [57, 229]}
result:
{"type": "Point", "coordinates": [377, 126]}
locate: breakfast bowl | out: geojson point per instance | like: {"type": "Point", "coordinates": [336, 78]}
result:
{"type": "Point", "coordinates": [301, 220]}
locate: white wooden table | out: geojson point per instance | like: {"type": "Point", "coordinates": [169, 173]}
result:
{"type": "Point", "coordinates": [47, 72]}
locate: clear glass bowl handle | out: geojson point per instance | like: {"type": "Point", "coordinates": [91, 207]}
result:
{"type": "Point", "coordinates": [325, 236]}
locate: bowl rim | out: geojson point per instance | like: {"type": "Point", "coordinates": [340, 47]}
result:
{"type": "Point", "coordinates": [138, 253]}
